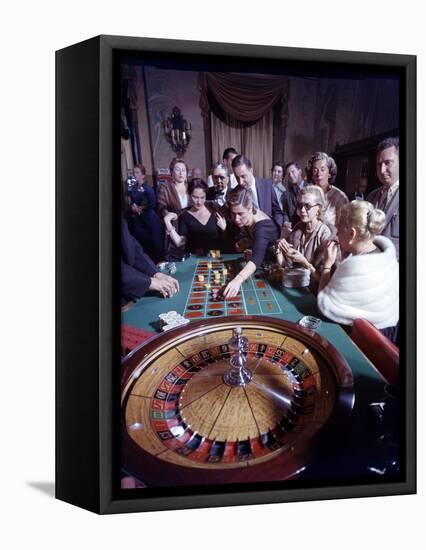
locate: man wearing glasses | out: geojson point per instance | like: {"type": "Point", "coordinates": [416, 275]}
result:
{"type": "Point", "coordinates": [221, 188]}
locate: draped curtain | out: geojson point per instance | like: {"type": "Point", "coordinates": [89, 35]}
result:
{"type": "Point", "coordinates": [240, 109]}
{"type": "Point", "coordinates": [255, 141]}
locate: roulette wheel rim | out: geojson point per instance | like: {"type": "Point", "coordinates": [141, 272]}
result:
{"type": "Point", "coordinates": [155, 472]}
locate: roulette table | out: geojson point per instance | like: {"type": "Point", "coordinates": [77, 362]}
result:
{"type": "Point", "coordinates": [303, 411]}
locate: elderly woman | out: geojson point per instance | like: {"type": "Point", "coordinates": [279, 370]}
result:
{"type": "Point", "coordinates": [365, 283]}
{"type": "Point", "coordinates": [201, 227]}
{"type": "Point", "coordinates": [262, 232]}
{"type": "Point", "coordinates": [144, 223]}
{"type": "Point", "coordinates": [306, 243]}
{"type": "Point", "coordinates": [321, 170]}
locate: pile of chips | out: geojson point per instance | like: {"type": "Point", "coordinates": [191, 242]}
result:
{"type": "Point", "coordinates": [167, 266]}
{"type": "Point", "coordinates": [308, 321]}
{"type": "Point", "coordinates": [171, 319]}
{"type": "Point", "coordinates": [296, 277]}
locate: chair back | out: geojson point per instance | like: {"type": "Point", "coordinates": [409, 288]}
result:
{"type": "Point", "coordinates": [380, 351]}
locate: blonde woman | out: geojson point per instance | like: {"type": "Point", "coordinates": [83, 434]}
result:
{"type": "Point", "coordinates": [365, 283]}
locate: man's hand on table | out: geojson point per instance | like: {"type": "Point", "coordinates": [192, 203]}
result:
{"type": "Point", "coordinates": [166, 285]}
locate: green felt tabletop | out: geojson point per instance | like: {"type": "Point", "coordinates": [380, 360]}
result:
{"type": "Point", "coordinates": [294, 304]}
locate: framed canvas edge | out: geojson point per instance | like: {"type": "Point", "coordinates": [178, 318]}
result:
{"type": "Point", "coordinates": [107, 501]}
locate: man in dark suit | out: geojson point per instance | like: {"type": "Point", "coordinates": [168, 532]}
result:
{"type": "Point", "coordinates": [263, 192]}
{"type": "Point", "coordinates": [221, 184]}
{"type": "Point", "coordinates": [360, 191]}
{"type": "Point", "coordinates": [386, 197]}
{"type": "Point", "coordinates": [293, 175]}
{"type": "Point", "coordinates": [139, 273]}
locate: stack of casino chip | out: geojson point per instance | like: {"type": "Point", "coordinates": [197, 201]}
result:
{"type": "Point", "coordinates": [171, 319]}
{"type": "Point", "coordinates": [167, 266]}
{"type": "Point", "coordinates": [296, 277]}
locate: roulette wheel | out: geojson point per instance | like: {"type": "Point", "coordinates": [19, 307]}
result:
{"type": "Point", "coordinates": [231, 401]}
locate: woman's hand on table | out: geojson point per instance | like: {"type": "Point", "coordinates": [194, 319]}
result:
{"type": "Point", "coordinates": [233, 287]}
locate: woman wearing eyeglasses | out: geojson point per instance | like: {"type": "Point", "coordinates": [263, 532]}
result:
{"type": "Point", "coordinates": [306, 243]}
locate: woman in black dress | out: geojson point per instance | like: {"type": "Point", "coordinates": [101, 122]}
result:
{"type": "Point", "coordinates": [261, 230]}
{"type": "Point", "coordinates": [200, 227]}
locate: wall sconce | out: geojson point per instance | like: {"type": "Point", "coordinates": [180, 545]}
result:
{"type": "Point", "coordinates": [177, 131]}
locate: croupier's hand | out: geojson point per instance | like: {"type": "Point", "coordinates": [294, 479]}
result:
{"type": "Point", "coordinates": [174, 282]}
{"type": "Point", "coordinates": [164, 286]}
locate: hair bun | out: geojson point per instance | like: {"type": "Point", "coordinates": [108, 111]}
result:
{"type": "Point", "coordinates": [375, 221]}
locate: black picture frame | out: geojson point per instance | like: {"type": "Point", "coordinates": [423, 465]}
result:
{"type": "Point", "coordinates": [87, 321]}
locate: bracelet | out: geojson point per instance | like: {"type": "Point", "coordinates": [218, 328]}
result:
{"type": "Point", "coordinates": [326, 268]}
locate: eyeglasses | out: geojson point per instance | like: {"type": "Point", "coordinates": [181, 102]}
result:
{"type": "Point", "coordinates": [305, 205]}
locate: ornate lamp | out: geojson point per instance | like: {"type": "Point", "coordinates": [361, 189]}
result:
{"type": "Point", "coordinates": [177, 131]}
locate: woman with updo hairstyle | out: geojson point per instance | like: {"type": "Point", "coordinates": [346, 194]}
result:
{"type": "Point", "coordinates": [201, 226]}
{"type": "Point", "coordinates": [256, 227]}
{"type": "Point", "coordinates": [306, 243]}
{"type": "Point", "coordinates": [321, 170]}
{"type": "Point", "coordinates": [365, 284]}
{"type": "Point", "coordinates": [173, 196]}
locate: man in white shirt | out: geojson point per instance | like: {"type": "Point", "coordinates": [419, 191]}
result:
{"type": "Point", "coordinates": [263, 194]}
{"type": "Point", "coordinates": [219, 192]}
{"type": "Point", "coordinates": [387, 197]}
{"type": "Point", "coordinates": [228, 156]}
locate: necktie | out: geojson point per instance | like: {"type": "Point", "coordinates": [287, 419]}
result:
{"type": "Point", "coordinates": [383, 199]}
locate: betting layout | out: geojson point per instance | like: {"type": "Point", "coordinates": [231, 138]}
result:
{"type": "Point", "coordinates": [205, 299]}
{"type": "Point", "coordinates": [184, 423]}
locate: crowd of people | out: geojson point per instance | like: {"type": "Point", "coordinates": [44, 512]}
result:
{"type": "Point", "coordinates": [350, 248]}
